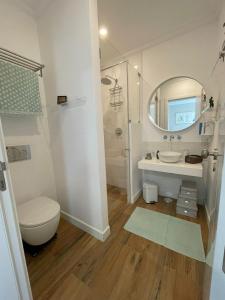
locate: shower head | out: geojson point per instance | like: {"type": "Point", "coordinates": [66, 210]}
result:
{"type": "Point", "coordinates": [107, 80]}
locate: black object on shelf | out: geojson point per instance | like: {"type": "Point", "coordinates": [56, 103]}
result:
{"type": "Point", "coordinates": [211, 102]}
{"type": "Point", "coordinates": [157, 154]}
{"type": "Point", "coordinates": [193, 159]}
{"type": "Point", "coordinates": [61, 100]}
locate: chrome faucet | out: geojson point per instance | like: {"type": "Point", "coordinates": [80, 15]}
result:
{"type": "Point", "coordinates": [171, 138]}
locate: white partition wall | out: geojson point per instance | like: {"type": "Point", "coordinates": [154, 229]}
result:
{"type": "Point", "coordinates": [68, 33]}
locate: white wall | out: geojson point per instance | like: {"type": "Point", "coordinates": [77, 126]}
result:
{"type": "Point", "coordinates": [192, 55]}
{"type": "Point", "coordinates": [68, 33]}
{"type": "Point", "coordinates": [34, 177]}
{"type": "Point", "coordinates": [216, 202]}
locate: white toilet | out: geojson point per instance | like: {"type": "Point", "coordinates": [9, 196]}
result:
{"type": "Point", "coordinates": [39, 220]}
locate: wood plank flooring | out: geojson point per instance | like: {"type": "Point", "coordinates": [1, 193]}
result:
{"type": "Point", "coordinates": [76, 266]}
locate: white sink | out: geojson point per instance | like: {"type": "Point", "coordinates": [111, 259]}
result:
{"type": "Point", "coordinates": [169, 156]}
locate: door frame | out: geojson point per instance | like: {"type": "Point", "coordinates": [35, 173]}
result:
{"type": "Point", "coordinates": [217, 289]}
{"type": "Point", "coordinates": [12, 229]}
{"type": "Point", "coordinates": [129, 161]}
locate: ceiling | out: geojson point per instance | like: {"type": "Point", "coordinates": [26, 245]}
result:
{"type": "Point", "coordinates": [35, 7]}
{"type": "Point", "coordinates": [136, 24]}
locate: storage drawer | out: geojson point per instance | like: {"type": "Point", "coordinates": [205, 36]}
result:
{"type": "Point", "coordinates": [187, 203]}
{"type": "Point", "coordinates": [189, 186]}
{"type": "Point", "coordinates": [186, 212]}
{"type": "Point", "coordinates": [189, 189]}
{"type": "Point", "coordinates": [188, 194]}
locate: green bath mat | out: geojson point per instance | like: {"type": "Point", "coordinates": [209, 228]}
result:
{"type": "Point", "coordinates": [178, 235]}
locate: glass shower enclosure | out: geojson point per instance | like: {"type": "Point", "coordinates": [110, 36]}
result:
{"type": "Point", "coordinates": [117, 118]}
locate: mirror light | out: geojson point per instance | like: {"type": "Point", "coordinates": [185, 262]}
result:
{"type": "Point", "coordinates": [103, 32]}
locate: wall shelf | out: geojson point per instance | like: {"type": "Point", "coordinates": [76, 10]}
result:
{"type": "Point", "coordinates": [180, 168]}
{"type": "Point", "coordinates": [19, 60]}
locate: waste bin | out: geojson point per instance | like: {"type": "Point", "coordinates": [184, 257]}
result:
{"type": "Point", "coordinates": [150, 192]}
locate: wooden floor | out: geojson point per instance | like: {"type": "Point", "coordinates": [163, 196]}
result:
{"type": "Point", "coordinates": [77, 266]}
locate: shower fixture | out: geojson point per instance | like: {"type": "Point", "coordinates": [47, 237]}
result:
{"type": "Point", "coordinates": [107, 80]}
{"type": "Point", "coordinates": [115, 92]}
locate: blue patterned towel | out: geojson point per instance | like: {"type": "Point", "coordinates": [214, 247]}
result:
{"type": "Point", "coordinates": [19, 90]}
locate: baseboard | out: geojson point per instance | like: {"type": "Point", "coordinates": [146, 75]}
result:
{"type": "Point", "coordinates": [100, 235]}
{"type": "Point", "coordinates": [136, 196]}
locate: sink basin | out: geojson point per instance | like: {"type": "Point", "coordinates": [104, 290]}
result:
{"type": "Point", "coordinates": [169, 156]}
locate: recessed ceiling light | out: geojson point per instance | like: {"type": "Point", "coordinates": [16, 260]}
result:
{"type": "Point", "coordinates": [136, 67]}
{"type": "Point", "coordinates": [103, 32]}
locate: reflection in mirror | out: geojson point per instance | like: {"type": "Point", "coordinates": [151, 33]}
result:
{"type": "Point", "coordinates": [176, 104]}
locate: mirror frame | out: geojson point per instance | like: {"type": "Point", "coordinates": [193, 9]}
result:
{"type": "Point", "coordinates": [175, 131]}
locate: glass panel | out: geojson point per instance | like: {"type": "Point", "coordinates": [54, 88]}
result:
{"type": "Point", "coordinates": [115, 118]}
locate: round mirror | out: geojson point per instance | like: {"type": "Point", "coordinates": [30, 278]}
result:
{"type": "Point", "coordinates": [177, 104]}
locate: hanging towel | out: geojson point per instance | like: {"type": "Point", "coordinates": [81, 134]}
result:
{"type": "Point", "coordinates": [19, 90]}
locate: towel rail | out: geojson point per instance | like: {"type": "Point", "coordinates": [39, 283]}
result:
{"type": "Point", "coordinates": [17, 59]}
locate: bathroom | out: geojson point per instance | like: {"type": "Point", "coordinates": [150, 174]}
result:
{"type": "Point", "coordinates": [99, 137]}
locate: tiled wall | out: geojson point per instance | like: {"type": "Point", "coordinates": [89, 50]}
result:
{"type": "Point", "coordinates": [184, 147]}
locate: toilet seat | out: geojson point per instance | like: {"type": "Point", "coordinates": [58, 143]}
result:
{"type": "Point", "coordinates": [37, 212]}
{"type": "Point", "coordinates": [39, 220]}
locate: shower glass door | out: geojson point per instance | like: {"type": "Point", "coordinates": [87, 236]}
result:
{"type": "Point", "coordinates": [115, 105]}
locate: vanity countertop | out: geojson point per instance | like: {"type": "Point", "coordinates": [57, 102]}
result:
{"type": "Point", "coordinates": [180, 168]}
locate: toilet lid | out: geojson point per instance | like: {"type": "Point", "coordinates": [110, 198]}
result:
{"type": "Point", "coordinates": [37, 211]}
